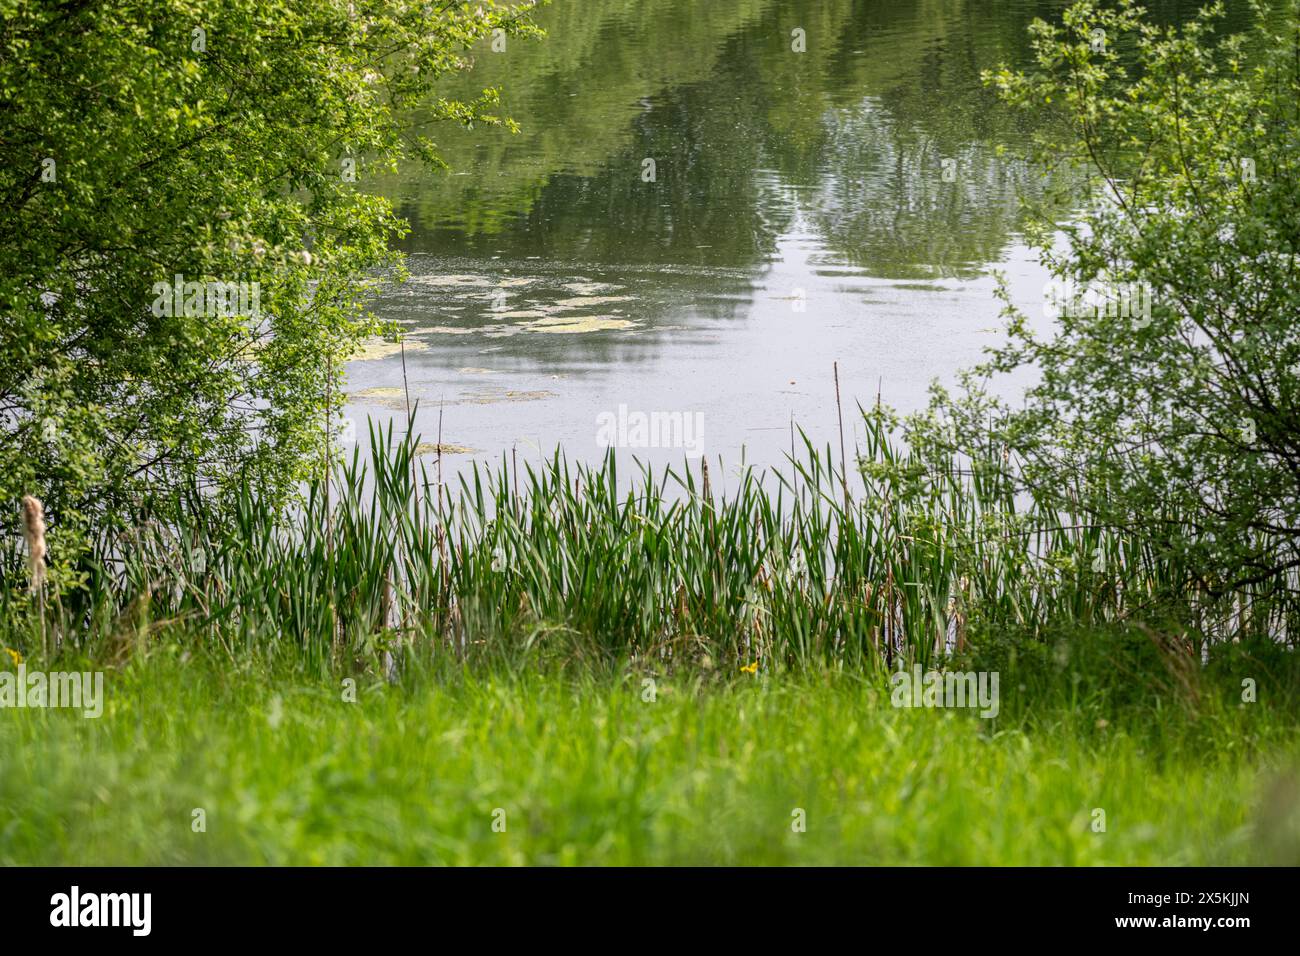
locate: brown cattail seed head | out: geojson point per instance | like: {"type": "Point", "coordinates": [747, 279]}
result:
{"type": "Point", "coordinates": [34, 532]}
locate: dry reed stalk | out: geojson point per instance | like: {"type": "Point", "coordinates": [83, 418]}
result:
{"type": "Point", "coordinates": [514, 485]}
{"type": "Point", "coordinates": [390, 670]}
{"type": "Point", "coordinates": [386, 599]}
{"type": "Point", "coordinates": [441, 537]}
{"type": "Point", "coordinates": [329, 513]}
{"type": "Point", "coordinates": [327, 453]}
{"type": "Point", "coordinates": [385, 620]}
{"type": "Point", "coordinates": [406, 389]}
{"type": "Point", "coordinates": [844, 462]}
{"type": "Point", "coordinates": [34, 532]}
{"type": "Point", "coordinates": [867, 597]}
{"type": "Point", "coordinates": [959, 616]}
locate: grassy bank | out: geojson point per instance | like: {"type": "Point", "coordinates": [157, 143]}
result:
{"type": "Point", "coordinates": [656, 671]}
{"type": "Point", "coordinates": [588, 771]}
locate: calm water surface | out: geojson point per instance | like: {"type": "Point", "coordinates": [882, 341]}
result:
{"type": "Point", "coordinates": [799, 215]}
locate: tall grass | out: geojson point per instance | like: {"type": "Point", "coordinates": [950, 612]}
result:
{"type": "Point", "coordinates": [904, 558]}
{"type": "Point", "coordinates": [590, 773]}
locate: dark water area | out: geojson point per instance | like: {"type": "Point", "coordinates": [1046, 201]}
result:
{"type": "Point", "coordinates": [707, 204]}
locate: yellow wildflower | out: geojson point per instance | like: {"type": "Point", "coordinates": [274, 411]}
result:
{"type": "Point", "coordinates": [751, 668]}
{"type": "Point", "coordinates": [17, 658]}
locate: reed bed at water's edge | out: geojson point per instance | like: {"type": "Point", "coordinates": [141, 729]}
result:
{"type": "Point", "coordinates": [899, 560]}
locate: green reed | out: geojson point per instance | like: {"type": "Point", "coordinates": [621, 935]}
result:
{"type": "Point", "coordinates": [904, 558]}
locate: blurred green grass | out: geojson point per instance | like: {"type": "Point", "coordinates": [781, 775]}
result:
{"type": "Point", "coordinates": [589, 772]}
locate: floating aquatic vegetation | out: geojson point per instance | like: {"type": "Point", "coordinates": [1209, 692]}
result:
{"type": "Point", "coordinates": [585, 300]}
{"type": "Point", "coordinates": [442, 330]}
{"type": "Point", "coordinates": [522, 314]}
{"type": "Point", "coordinates": [378, 348]}
{"type": "Point", "coordinates": [384, 391]}
{"type": "Point", "coordinates": [384, 396]}
{"type": "Point", "coordinates": [445, 448]}
{"type": "Point", "coordinates": [590, 288]}
{"type": "Point", "coordinates": [493, 398]}
{"type": "Point", "coordinates": [565, 325]}
{"type": "Point", "coordinates": [449, 281]}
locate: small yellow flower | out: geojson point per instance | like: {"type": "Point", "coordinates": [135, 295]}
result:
{"type": "Point", "coordinates": [17, 658]}
{"type": "Point", "coordinates": [751, 668]}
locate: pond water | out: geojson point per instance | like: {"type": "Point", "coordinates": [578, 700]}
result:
{"type": "Point", "coordinates": [697, 219]}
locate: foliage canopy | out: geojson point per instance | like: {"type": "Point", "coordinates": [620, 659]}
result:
{"type": "Point", "coordinates": [1176, 426]}
{"type": "Point", "coordinates": [221, 141]}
